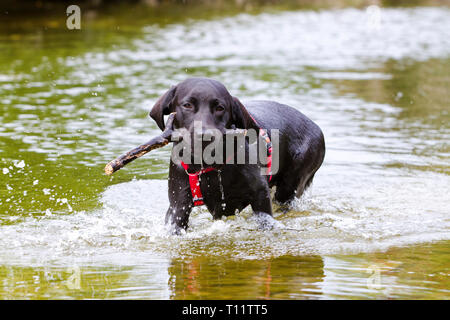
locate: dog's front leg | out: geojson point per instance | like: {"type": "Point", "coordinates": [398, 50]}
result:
{"type": "Point", "coordinates": [178, 217]}
{"type": "Point", "coordinates": [180, 199]}
{"type": "Point", "coordinates": [180, 208]}
{"type": "Point", "coordinates": [262, 208]}
{"type": "Point", "coordinates": [262, 205]}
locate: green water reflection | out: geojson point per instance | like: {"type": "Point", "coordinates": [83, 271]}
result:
{"type": "Point", "coordinates": [398, 273]}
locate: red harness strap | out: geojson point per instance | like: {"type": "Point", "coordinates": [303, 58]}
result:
{"type": "Point", "coordinates": [264, 134]}
{"type": "Point", "coordinates": [194, 180]}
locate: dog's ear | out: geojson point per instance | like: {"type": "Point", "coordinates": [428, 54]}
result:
{"type": "Point", "coordinates": [240, 116]}
{"type": "Point", "coordinates": [162, 107]}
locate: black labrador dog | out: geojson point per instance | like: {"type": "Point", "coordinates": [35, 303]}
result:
{"type": "Point", "coordinates": [229, 188]}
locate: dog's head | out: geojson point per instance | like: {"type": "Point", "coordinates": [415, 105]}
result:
{"type": "Point", "coordinates": [205, 110]}
{"type": "Point", "coordinates": [204, 101]}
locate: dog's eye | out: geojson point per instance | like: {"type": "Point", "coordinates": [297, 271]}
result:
{"type": "Point", "coordinates": [220, 108]}
{"type": "Point", "coordinates": [187, 105]}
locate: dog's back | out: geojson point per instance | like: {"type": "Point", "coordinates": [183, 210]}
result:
{"type": "Point", "coordinates": [301, 145]}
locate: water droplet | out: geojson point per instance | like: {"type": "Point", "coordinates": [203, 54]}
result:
{"type": "Point", "coordinates": [20, 164]}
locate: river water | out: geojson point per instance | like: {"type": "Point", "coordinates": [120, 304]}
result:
{"type": "Point", "coordinates": [375, 223]}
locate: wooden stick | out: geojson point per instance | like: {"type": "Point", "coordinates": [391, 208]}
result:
{"type": "Point", "coordinates": [157, 142]}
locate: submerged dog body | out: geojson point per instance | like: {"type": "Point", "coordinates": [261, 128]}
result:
{"type": "Point", "coordinates": [229, 188]}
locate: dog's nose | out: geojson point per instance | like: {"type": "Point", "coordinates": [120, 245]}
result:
{"type": "Point", "coordinates": [205, 136]}
{"type": "Point", "coordinates": [204, 131]}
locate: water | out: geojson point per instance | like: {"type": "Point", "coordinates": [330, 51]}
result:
{"type": "Point", "coordinates": [375, 224]}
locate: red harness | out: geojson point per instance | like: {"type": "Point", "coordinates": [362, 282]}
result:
{"type": "Point", "coordinates": [194, 182]}
{"type": "Point", "coordinates": [194, 178]}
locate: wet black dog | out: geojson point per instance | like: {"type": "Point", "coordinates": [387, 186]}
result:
{"type": "Point", "coordinates": [232, 187]}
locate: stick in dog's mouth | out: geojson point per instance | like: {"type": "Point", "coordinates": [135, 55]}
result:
{"type": "Point", "coordinates": [157, 142]}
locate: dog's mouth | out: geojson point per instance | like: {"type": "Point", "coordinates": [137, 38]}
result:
{"type": "Point", "coordinates": [210, 148]}
{"type": "Point", "coordinates": [207, 148]}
